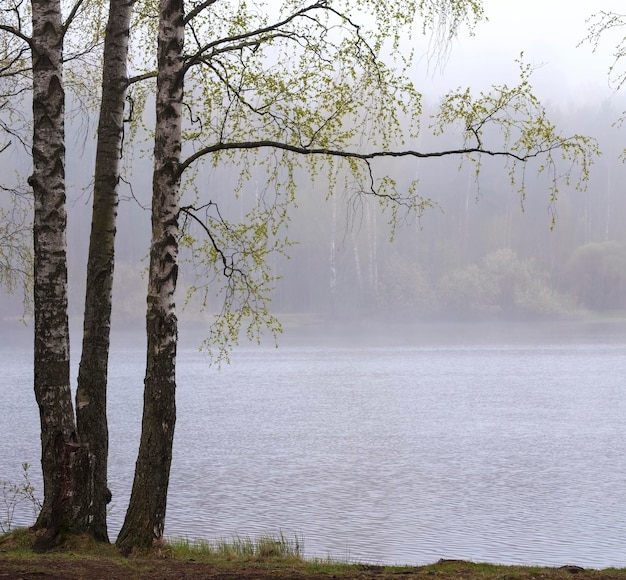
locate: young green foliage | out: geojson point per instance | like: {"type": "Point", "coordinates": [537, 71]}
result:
{"type": "Point", "coordinates": [601, 25]}
{"type": "Point", "coordinates": [82, 23]}
{"type": "Point", "coordinates": [312, 89]}
{"type": "Point", "coordinates": [15, 248]}
{"type": "Point", "coordinates": [321, 89]}
{"type": "Point", "coordinates": [512, 123]}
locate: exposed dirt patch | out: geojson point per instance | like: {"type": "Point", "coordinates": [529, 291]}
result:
{"type": "Point", "coordinates": [87, 568]}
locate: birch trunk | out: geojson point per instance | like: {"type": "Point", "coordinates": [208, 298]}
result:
{"type": "Point", "coordinates": [91, 394]}
{"type": "Point", "coordinates": [65, 464]}
{"type": "Point", "coordinates": [145, 518]}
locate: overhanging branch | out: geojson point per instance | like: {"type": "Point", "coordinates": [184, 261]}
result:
{"type": "Point", "coordinates": [263, 144]}
{"type": "Point", "coordinates": [238, 38]}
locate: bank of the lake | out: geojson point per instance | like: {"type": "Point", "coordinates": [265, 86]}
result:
{"type": "Point", "coordinates": [80, 559]}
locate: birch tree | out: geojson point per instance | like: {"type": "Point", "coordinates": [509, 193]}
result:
{"type": "Point", "coordinates": [303, 87]}
{"type": "Point", "coordinates": [145, 518]}
{"type": "Point", "coordinates": [314, 86]}
{"type": "Point", "coordinates": [67, 463]}
{"type": "Point", "coordinates": [62, 456]}
{"type": "Point", "coordinates": [91, 393]}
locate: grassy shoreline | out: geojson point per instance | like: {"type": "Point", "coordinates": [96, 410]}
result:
{"type": "Point", "coordinates": [262, 558]}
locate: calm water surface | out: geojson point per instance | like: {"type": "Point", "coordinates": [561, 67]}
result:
{"type": "Point", "coordinates": [509, 452]}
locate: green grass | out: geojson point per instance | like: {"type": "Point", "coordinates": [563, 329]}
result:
{"type": "Point", "coordinates": [268, 555]}
{"type": "Point", "coordinates": [239, 548]}
{"type": "Point", "coordinates": [277, 551]}
{"type": "Point", "coordinates": [18, 541]}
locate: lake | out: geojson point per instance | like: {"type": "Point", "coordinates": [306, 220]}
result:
{"type": "Point", "coordinates": [503, 445]}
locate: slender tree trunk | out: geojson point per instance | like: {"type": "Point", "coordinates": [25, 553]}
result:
{"type": "Point", "coordinates": [91, 394]}
{"type": "Point", "coordinates": [145, 518]}
{"type": "Point", "coordinates": [65, 464]}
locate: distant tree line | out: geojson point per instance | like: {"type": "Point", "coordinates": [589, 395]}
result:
{"type": "Point", "coordinates": [478, 252]}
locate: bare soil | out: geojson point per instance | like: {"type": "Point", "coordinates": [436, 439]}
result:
{"type": "Point", "coordinates": [75, 567]}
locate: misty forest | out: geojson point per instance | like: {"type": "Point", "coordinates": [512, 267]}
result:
{"type": "Point", "coordinates": [229, 172]}
{"type": "Point", "coordinates": [479, 251]}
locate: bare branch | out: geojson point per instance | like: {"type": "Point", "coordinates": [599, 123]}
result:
{"type": "Point", "coordinates": [195, 58]}
{"type": "Point", "coordinates": [142, 77]}
{"type": "Point", "coordinates": [228, 269]}
{"type": "Point", "coordinates": [6, 69]}
{"type": "Point", "coordinates": [247, 43]}
{"type": "Point", "coordinates": [198, 9]}
{"type": "Point", "coordinates": [16, 32]}
{"type": "Point", "coordinates": [72, 15]}
{"type": "Point", "coordinates": [366, 156]}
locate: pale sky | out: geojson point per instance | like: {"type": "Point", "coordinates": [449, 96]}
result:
{"type": "Point", "coordinates": [548, 32]}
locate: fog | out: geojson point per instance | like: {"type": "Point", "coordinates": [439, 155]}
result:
{"type": "Point", "coordinates": [550, 35]}
{"type": "Point", "coordinates": [447, 384]}
{"type": "Point", "coordinates": [480, 254]}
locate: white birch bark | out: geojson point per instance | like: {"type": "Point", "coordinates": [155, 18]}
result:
{"type": "Point", "coordinates": [62, 458]}
{"type": "Point", "coordinates": [145, 518]}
